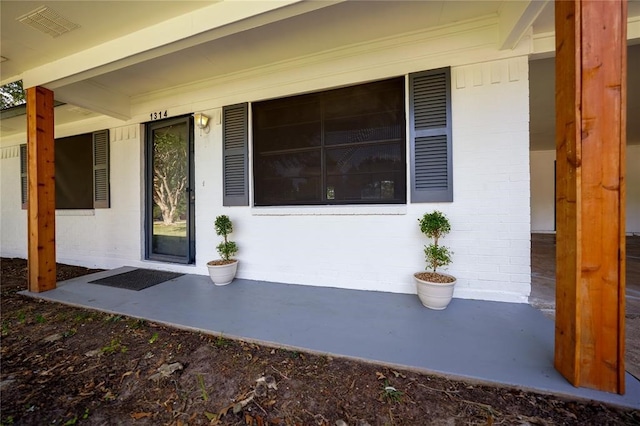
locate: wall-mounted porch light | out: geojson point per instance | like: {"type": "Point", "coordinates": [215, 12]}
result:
{"type": "Point", "coordinates": [201, 120]}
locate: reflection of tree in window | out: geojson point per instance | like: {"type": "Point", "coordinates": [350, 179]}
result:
{"type": "Point", "coordinates": [334, 147]}
{"type": "Point", "coordinates": [364, 172]}
{"type": "Point", "coordinates": [169, 174]}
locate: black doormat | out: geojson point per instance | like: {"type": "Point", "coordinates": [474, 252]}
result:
{"type": "Point", "coordinates": [138, 279]}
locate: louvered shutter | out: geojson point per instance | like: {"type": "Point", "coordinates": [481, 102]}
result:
{"type": "Point", "coordinates": [234, 141]}
{"type": "Point", "coordinates": [24, 182]}
{"type": "Point", "coordinates": [430, 124]}
{"type": "Point", "coordinates": [101, 169]}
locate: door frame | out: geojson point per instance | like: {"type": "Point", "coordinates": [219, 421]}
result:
{"type": "Point", "coordinates": [148, 193]}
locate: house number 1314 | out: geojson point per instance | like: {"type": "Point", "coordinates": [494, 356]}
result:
{"type": "Point", "coordinates": [158, 115]}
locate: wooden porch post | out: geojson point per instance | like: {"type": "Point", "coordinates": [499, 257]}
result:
{"type": "Point", "coordinates": [41, 207]}
{"type": "Point", "coordinates": [591, 56]}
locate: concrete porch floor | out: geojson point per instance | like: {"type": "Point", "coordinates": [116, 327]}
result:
{"type": "Point", "coordinates": [502, 343]}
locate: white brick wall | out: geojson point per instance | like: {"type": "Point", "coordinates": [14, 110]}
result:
{"type": "Point", "coordinates": [372, 248]}
{"type": "Point", "coordinates": [491, 188]}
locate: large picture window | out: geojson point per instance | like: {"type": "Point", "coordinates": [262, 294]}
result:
{"type": "Point", "coordinates": [343, 146]}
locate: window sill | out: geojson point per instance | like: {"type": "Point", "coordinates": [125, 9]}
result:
{"type": "Point", "coordinates": [360, 210]}
{"type": "Point", "coordinates": [76, 212]}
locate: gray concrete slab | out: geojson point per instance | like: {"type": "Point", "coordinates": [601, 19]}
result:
{"type": "Point", "coordinates": [502, 343]}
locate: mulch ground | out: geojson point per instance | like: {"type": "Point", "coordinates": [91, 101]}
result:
{"type": "Point", "coordinates": [64, 365]}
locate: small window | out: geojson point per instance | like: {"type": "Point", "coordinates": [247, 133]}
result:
{"type": "Point", "coordinates": [82, 178]}
{"type": "Point", "coordinates": [74, 170]}
{"type": "Point", "coordinates": [344, 146]}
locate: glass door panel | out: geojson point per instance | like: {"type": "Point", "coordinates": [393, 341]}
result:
{"type": "Point", "coordinates": [169, 191]}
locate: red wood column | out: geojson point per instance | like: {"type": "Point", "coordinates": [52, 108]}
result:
{"type": "Point", "coordinates": [41, 207]}
{"type": "Point", "coordinates": [591, 49]}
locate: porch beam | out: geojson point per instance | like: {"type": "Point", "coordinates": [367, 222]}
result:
{"type": "Point", "coordinates": [93, 97]}
{"type": "Point", "coordinates": [591, 49]}
{"type": "Point", "coordinates": [41, 206]}
{"type": "Point", "coordinates": [516, 19]}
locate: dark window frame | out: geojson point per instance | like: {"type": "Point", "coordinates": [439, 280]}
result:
{"type": "Point", "coordinates": [326, 126]}
{"type": "Point", "coordinates": [97, 168]}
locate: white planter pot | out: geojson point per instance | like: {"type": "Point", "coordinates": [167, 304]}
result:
{"type": "Point", "coordinates": [435, 295]}
{"type": "Point", "coordinates": [223, 274]}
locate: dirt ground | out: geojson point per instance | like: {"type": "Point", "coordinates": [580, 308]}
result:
{"type": "Point", "coordinates": [64, 365]}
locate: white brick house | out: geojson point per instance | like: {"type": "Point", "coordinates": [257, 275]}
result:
{"type": "Point", "coordinates": [170, 60]}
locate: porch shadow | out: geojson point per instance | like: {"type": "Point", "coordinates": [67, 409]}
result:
{"type": "Point", "coordinates": [502, 343]}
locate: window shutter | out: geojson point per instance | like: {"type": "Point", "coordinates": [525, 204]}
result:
{"type": "Point", "coordinates": [430, 125]}
{"type": "Point", "coordinates": [101, 169]}
{"type": "Point", "coordinates": [24, 182]}
{"type": "Point", "coordinates": [234, 152]}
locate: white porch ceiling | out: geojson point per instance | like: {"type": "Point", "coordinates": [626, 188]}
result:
{"type": "Point", "coordinates": [294, 37]}
{"type": "Point", "coordinates": [126, 50]}
{"type": "Point", "coordinates": [263, 32]}
{"type": "Point", "coordinates": [99, 21]}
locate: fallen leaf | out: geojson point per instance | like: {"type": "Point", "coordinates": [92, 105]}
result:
{"type": "Point", "coordinates": [225, 410]}
{"type": "Point", "coordinates": [165, 370]}
{"type": "Point", "coordinates": [93, 353]}
{"type": "Point", "coordinates": [380, 376]}
{"type": "Point", "coordinates": [53, 338]}
{"type": "Point", "coordinates": [128, 373]}
{"type": "Point", "coordinates": [569, 414]}
{"type": "Point", "coordinates": [138, 416]}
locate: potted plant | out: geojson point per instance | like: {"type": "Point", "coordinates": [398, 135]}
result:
{"type": "Point", "coordinates": [435, 289]}
{"type": "Point", "coordinates": [223, 270]}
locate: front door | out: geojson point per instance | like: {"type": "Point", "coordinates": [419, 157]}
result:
{"type": "Point", "coordinates": [170, 197]}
